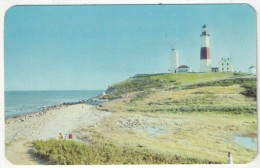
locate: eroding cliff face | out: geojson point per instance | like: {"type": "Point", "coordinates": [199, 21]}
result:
{"type": "Point", "coordinates": [110, 89]}
{"type": "Point", "coordinates": [96, 101]}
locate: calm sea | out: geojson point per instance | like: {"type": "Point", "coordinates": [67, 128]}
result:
{"type": "Point", "coordinates": [23, 102]}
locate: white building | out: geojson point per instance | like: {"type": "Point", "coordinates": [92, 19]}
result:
{"type": "Point", "coordinates": [205, 59]}
{"type": "Point", "coordinates": [252, 70]}
{"type": "Point", "coordinates": [225, 65]}
{"type": "Point", "coordinates": [174, 60]}
{"type": "Point", "coordinates": [183, 69]}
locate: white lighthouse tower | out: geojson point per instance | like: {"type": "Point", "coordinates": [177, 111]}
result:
{"type": "Point", "coordinates": [174, 60]}
{"type": "Point", "coordinates": [205, 59]}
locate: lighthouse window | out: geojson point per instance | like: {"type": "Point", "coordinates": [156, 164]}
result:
{"type": "Point", "coordinates": [227, 63]}
{"type": "Point", "coordinates": [227, 69]}
{"type": "Point", "coordinates": [223, 69]}
{"type": "Point", "coordinates": [222, 64]}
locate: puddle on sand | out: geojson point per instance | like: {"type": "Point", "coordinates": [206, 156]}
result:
{"type": "Point", "coordinates": [154, 130]}
{"type": "Point", "coordinates": [246, 142]}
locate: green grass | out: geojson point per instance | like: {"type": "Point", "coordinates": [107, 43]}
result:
{"type": "Point", "coordinates": [146, 82]}
{"type": "Point", "coordinates": [195, 92]}
{"type": "Point", "coordinates": [185, 78]}
{"type": "Point", "coordinates": [133, 85]}
{"type": "Point", "coordinates": [222, 96]}
{"type": "Point", "coordinates": [211, 109]}
{"type": "Point", "coordinates": [248, 83]}
{"type": "Point", "coordinates": [75, 153]}
{"type": "Point", "coordinates": [201, 136]}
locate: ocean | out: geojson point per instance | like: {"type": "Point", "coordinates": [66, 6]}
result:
{"type": "Point", "coordinates": [23, 102]}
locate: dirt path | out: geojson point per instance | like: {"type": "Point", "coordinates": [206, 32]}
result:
{"type": "Point", "coordinates": [62, 120]}
{"type": "Point", "coordinates": [20, 153]}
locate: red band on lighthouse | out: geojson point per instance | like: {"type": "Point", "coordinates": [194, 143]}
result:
{"type": "Point", "coordinates": [204, 53]}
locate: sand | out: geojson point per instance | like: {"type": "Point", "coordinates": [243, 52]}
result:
{"type": "Point", "coordinates": [20, 153]}
{"type": "Point", "coordinates": [45, 125]}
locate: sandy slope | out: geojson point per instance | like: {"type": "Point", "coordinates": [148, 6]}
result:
{"type": "Point", "coordinates": [47, 125]}
{"type": "Point", "coordinates": [20, 153]}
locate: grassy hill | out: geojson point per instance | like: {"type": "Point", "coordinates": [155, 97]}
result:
{"type": "Point", "coordinates": [146, 81]}
{"type": "Point", "coordinates": [170, 119]}
{"type": "Point", "coordinates": [189, 92]}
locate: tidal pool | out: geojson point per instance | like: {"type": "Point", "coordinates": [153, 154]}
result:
{"type": "Point", "coordinates": [154, 130]}
{"type": "Point", "coordinates": [246, 142]}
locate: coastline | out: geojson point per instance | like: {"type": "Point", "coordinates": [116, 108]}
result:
{"type": "Point", "coordinates": [19, 103]}
{"type": "Point", "coordinates": [42, 112]}
{"type": "Point", "coordinates": [52, 121]}
{"type": "Point", "coordinates": [47, 124]}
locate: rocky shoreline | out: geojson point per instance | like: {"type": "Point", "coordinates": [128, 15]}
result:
{"type": "Point", "coordinates": [51, 121]}
{"type": "Point", "coordinates": [96, 101]}
{"type": "Point", "coordinates": [22, 117]}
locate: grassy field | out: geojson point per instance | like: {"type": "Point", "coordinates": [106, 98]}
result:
{"type": "Point", "coordinates": [199, 115]}
{"type": "Point", "coordinates": [206, 136]}
{"type": "Point", "coordinates": [212, 92]}
{"type": "Point", "coordinates": [194, 117]}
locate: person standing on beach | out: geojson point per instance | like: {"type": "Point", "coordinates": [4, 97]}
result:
{"type": "Point", "coordinates": [60, 137]}
{"type": "Point", "coordinates": [66, 136]}
{"type": "Point", "coordinates": [70, 136]}
{"type": "Point", "coordinates": [230, 159]}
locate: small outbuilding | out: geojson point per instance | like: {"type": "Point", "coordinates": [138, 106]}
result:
{"type": "Point", "coordinates": [215, 69]}
{"type": "Point", "coordinates": [183, 69]}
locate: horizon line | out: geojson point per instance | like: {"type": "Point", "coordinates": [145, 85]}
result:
{"type": "Point", "coordinates": [54, 90]}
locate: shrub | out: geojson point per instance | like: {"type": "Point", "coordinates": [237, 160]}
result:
{"type": "Point", "coordinates": [70, 152]}
{"type": "Point", "coordinates": [250, 89]}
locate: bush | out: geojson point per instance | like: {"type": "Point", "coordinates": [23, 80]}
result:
{"type": "Point", "coordinates": [250, 89]}
{"type": "Point", "coordinates": [71, 153]}
{"type": "Point", "coordinates": [248, 83]}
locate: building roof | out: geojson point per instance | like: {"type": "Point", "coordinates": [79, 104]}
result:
{"type": "Point", "coordinates": [183, 66]}
{"type": "Point", "coordinates": [251, 67]}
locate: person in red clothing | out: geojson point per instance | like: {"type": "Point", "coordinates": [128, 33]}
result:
{"type": "Point", "coordinates": [70, 136]}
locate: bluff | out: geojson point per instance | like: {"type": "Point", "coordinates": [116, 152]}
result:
{"type": "Point", "coordinates": [162, 92]}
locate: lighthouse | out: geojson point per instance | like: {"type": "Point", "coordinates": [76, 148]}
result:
{"type": "Point", "coordinates": [205, 59]}
{"type": "Point", "coordinates": [174, 60]}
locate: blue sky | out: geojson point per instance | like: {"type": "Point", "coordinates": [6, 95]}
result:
{"type": "Point", "coordinates": [91, 47]}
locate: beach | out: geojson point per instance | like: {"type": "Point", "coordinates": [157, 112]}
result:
{"type": "Point", "coordinates": [47, 124]}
